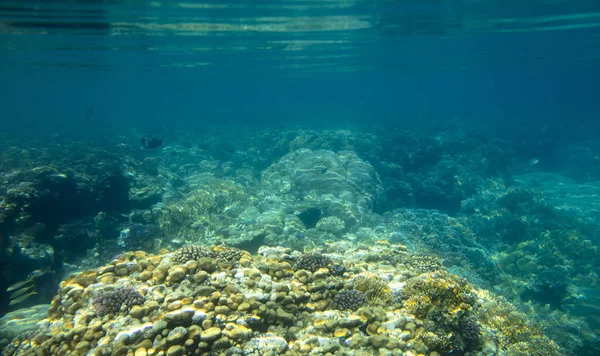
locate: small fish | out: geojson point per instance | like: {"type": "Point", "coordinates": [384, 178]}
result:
{"type": "Point", "coordinates": [88, 114]}
{"type": "Point", "coordinates": [22, 291]}
{"type": "Point", "coordinates": [22, 298]}
{"type": "Point", "coordinates": [534, 161]}
{"type": "Point", "coordinates": [19, 285]}
{"type": "Point", "coordinates": [38, 273]}
{"type": "Point", "coordinates": [151, 142]}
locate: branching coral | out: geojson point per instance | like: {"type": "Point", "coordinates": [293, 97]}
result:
{"type": "Point", "coordinates": [444, 301]}
{"type": "Point", "coordinates": [513, 331]}
{"type": "Point", "coordinates": [196, 252]}
{"type": "Point", "coordinates": [374, 288]}
{"type": "Point", "coordinates": [332, 225]}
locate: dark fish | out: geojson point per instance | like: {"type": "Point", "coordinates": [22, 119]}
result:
{"type": "Point", "coordinates": [88, 114]}
{"type": "Point", "coordinates": [151, 142]}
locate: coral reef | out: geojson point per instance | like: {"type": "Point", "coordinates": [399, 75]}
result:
{"type": "Point", "coordinates": [140, 237]}
{"type": "Point", "coordinates": [349, 299]}
{"type": "Point", "coordinates": [263, 306]}
{"type": "Point", "coordinates": [373, 287]}
{"type": "Point", "coordinates": [313, 262]}
{"type": "Point", "coordinates": [332, 225]}
{"type": "Point", "coordinates": [196, 252]}
{"type": "Point", "coordinates": [392, 205]}
{"type": "Point", "coordinates": [211, 213]}
{"type": "Point", "coordinates": [341, 184]}
{"type": "Point", "coordinates": [121, 299]}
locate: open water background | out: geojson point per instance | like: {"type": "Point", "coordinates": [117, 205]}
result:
{"type": "Point", "coordinates": [314, 63]}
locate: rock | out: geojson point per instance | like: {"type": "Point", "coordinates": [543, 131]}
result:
{"type": "Point", "coordinates": [284, 317]}
{"type": "Point", "coordinates": [207, 264]}
{"type": "Point", "coordinates": [244, 307]}
{"type": "Point", "coordinates": [176, 275]}
{"type": "Point", "coordinates": [175, 350]}
{"type": "Point", "coordinates": [350, 322]}
{"type": "Point", "coordinates": [179, 317]}
{"type": "Point", "coordinates": [177, 335]}
{"type": "Point", "coordinates": [210, 334]}
{"type": "Point", "coordinates": [222, 309]}
{"type": "Point", "coordinates": [379, 341]}
{"type": "Point", "coordinates": [329, 345]}
{"type": "Point", "coordinates": [268, 344]}
{"type": "Point", "coordinates": [22, 320]}
{"type": "Point", "coordinates": [205, 291]}
{"type": "Point", "coordinates": [199, 277]}
{"type": "Point", "coordinates": [86, 278]}
{"type": "Point", "coordinates": [237, 332]}
{"type": "Point", "coordinates": [138, 312]}
{"type": "Point", "coordinates": [82, 347]}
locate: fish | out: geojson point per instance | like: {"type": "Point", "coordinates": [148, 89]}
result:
{"type": "Point", "coordinates": [151, 142]}
{"type": "Point", "coordinates": [22, 298]}
{"type": "Point", "coordinates": [534, 161]}
{"type": "Point", "coordinates": [38, 273]}
{"type": "Point", "coordinates": [19, 285]}
{"type": "Point", "coordinates": [20, 288]}
{"type": "Point", "coordinates": [22, 291]}
{"type": "Point", "coordinates": [88, 114]}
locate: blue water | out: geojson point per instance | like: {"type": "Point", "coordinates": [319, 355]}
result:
{"type": "Point", "coordinates": [302, 62]}
{"type": "Point", "coordinates": [486, 112]}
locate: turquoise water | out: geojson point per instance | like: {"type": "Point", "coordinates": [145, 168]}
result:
{"type": "Point", "coordinates": [468, 130]}
{"type": "Point", "coordinates": [297, 61]}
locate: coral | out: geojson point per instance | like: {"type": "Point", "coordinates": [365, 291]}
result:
{"type": "Point", "coordinates": [139, 237]}
{"type": "Point", "coordinates": [121, 299]}
{"type": "Point", "coordinates": [230, 254]}
{"type": "Point", "coordinates": [313, 262]}
{"type": "Point", "coordinates": [332, 225]}
{"type": "Point", "coordinates": [77, 236]}
{"type": "Point", "coordinates": [339, 183]}
{"type": "Point", "coordinates": [423, 263]}
{"type": "Point", "coordinates": [196, 252]}
{"type": "Point", "coordinates": [438, 291]}
{"type": "Point", "coordinates": [512, 330]}
{"type": "Point", "coordinates": [255, 308]}
{"type": "Point", "coordinates": [373, 287]}
{"type": "Point", "coordinates": [429, 231]}
{"type": "Point", "coordinates": [349, 299]}
{"type": "Point", "coordinates": [192, 253]}
{"type": "Point", "coordinates": [206, 211]}
{"type": "Point", "coordinates": [444, 302]}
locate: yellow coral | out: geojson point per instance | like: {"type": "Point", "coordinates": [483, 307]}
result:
{"type": "Point", "coordinates": [374, 288]}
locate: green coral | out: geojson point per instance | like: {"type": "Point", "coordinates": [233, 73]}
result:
{"type": "Point", "coordinates": [332, 225]}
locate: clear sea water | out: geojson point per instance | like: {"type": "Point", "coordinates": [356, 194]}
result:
{"type": "Point", "coordinates": [525, 72]}
{"type": "Point", "coordinates": [311, 62]}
